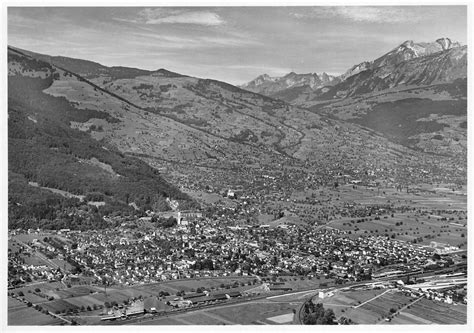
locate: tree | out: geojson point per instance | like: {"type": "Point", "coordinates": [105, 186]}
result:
{"type": "Point", "coordinates": [317, 315]}
{"type": "Point", "coordinates": [344, 321]}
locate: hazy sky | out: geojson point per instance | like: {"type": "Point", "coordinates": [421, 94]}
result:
{"type": "Point", "coordinates": [232, 44]}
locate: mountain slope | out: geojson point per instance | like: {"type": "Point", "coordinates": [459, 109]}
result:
{"type": "Point", "coordinates": [435, 68]}
{"type": "Point", "coordinates": [47, 155]}
{"type": "Point", "coordinates": [200, 131]}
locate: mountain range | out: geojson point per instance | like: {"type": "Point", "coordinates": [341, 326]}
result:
{"type": "Point", "coordinates": [409, 63]}
{"type": "Point", "coordinates": [97, 139]}
{"type": "Point", "coordinates": [266, 85]}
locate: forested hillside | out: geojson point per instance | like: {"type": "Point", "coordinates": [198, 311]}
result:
{"type": "Point", "coordinates": [44, 152]}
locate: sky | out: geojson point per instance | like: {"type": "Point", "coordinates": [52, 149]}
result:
{"type": "Point", "coordinates": [231, 44]}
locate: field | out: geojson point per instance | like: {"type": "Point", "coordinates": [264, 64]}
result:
{"type": "Point", "coordinates": [363, 306]}
{"type": "Point", "coordinates": [249, 313]}
{"type": "Point", "coordinates": [74, 292]}
{"type": "Point", "coordinates": [35, 260]}
{"type": "Point", "coordinates": [296, 283]}
{"type": "Point", "coordinates": [191, 285]}
{"type": "Point", "coordinates": [373, 306]}
{"type": "Point", "coordinates": [209, 198]}
{"type": "Point", "coordinates": [438, 225]}
{"type": "Point", "coordinates": [246, 314]}
{"type": "Point", "coordinates": [82, 296]}
{"type": "Point", "coordinates": [20, 314]}
{"type": "Point", "coordinates": [58, 306]}
{"type": "Point", "coordinates": [84, 301]}
{"type": "Point", "coordinates": [436, 313]}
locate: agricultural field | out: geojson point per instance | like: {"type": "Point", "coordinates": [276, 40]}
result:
{"type": "Point", "coordinates": [191, 285]}
{"type": "Point", "coordinates": [74, 291]}
{"type": "Point", "coordinates": [373, 306]}
{"type": "Point", "coordinates": [209, 198]}
{"type": "Point", "coordinates": [162, 321]}
{"type": "Point", "coordinates": [448, 228]}
{"type": "Point", "coordinates": [84, 301]}
{"type": "Point", "coordinates": [34, 260]}
{"type": "Point", "coordinates": [26, 238]}
{"type": "Point", "coordinates": [55, 289]}
{"type": "Point", "coordinates": [59, 306]}
{"type": "Point", "coordinates": [297, 283]}
{"type": "Point", "coordinates": [433, 312]}
{"type": "Point", "coordinates": [363, 306]}
{"type": "Point", "coordinates": [111, 296]}
{"type": "Point", "coordinates": [63, 264]}
{"type": "Point", "coordinates": [247, 314]}
{"type": "Point", "coordinates": [20, 314]}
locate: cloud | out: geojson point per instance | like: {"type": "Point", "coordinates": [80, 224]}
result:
{"type": "Point", "coordinates": [196, 42]}
{"type": "Point", "coordinates": [381, 14]}
{"type": "Point", "coordinates": [182, 16]}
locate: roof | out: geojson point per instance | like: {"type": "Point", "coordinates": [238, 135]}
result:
{"type": "Point", "coordinates": [193, 295]}
{"type": "Point", "coordinates": [234, 294]}
{"type": "Point", "coordinates": [201, 299]}
{"type": "Point", "coordinates": [218, 296]}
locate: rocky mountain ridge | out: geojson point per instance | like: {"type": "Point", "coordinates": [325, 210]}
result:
{"type": "Point", "coordinates": [394, 68]}
{"type": "Point", "coordinates": [267, 85]}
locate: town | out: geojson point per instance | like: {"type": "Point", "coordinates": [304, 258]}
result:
{"type": "Point", "coordinates": [229, 240]}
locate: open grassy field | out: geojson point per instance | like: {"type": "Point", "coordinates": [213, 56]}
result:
{"type": "Point", "coordinates": [84, 301]}
{"type": "Point", "coordinates": [438, 313]}
{"type": "Point", "coordinates": [163, 321]}
{"type": "Point", "coordinates": [63, 264]}
{"type": "Point", "coordinates": [296, 283]}
{"type": "Point", "coordinates": [191, 285]}
{"type": "Point", "coordinates": [20, 314]}
{"type": "Point", "coordinates": [208, 198]}
{"type": "Point", "coordinates": [363, 306]}
{"type": "Point", "coordinates": [246, 314]}
{"type": "Point", "coordinates": [33, 298]}
{"type": "Point", "coordinates": [202, 318]}
{"type": "Point", "coordinates": [372, 306]}
{"type": "Point", "coordinates": [407, 227]}
{"type": "Point", "coordinates": [112, 296]}
{"type": "Point", "coordinates": [30, 237]}
{"type": "Point", "coordinates": [35, 260]}
{"type": "Point", "coordinates": [252, 313]}
{"type": "Point", "coordinates": [74, 291]}
{"type": "Point", "coordinates": [59, 305]}
{"type": "Point", "coordinates": [44, 287]}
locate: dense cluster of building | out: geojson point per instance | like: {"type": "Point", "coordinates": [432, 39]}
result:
{"type": "Point", "coordinates": [202, 248]}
